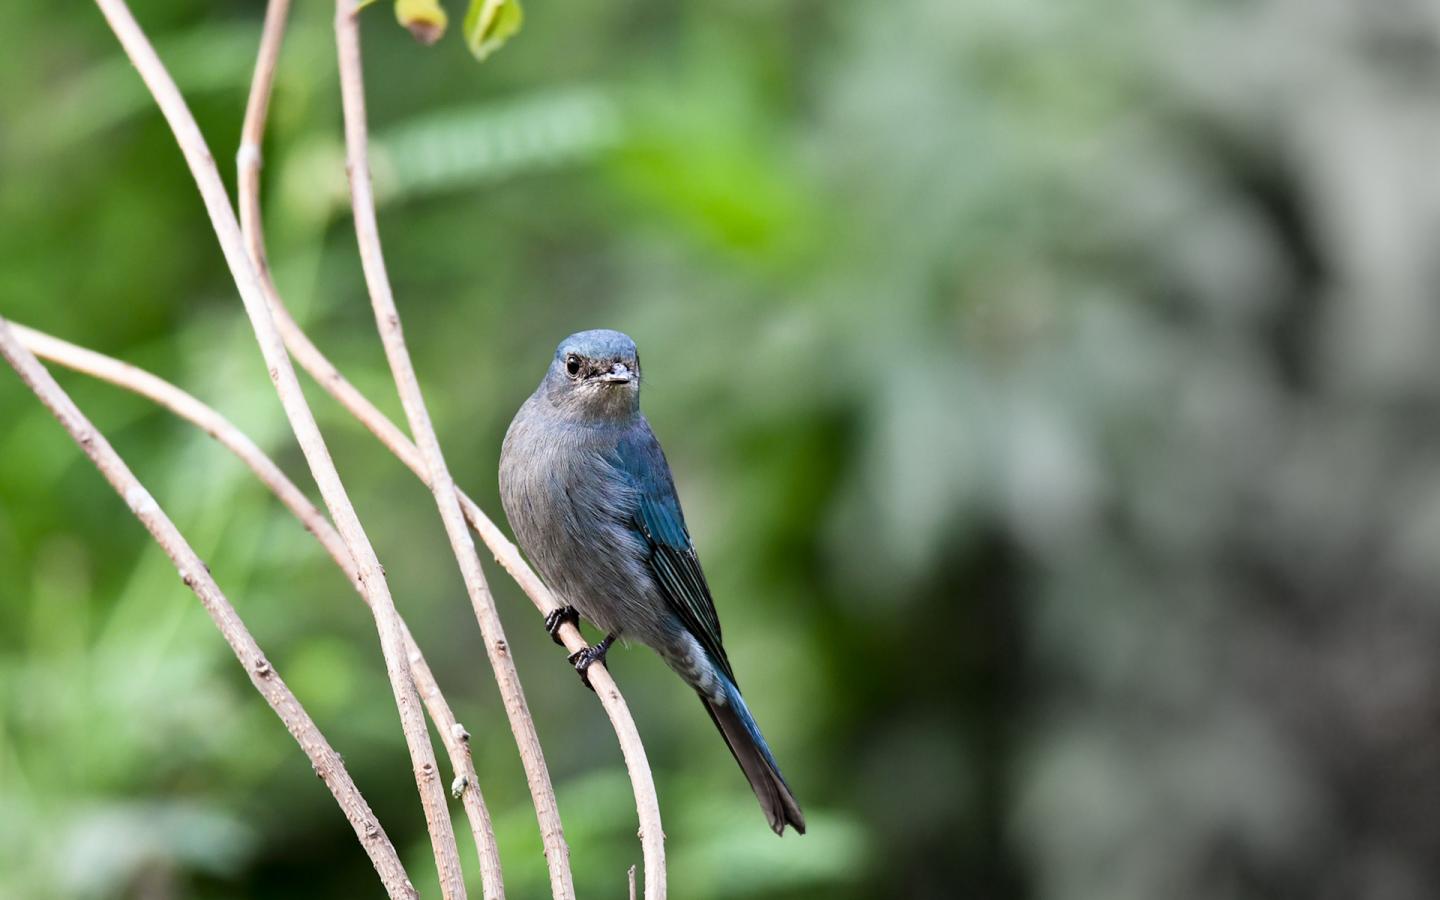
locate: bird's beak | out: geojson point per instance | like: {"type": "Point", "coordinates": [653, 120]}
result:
{"type": "Point", "coordinates": [618, 374]}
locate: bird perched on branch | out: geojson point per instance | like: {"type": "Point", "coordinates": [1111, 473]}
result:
{"type": "Point", "coordinates": [589, 495]}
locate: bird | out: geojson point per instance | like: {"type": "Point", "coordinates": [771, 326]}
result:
{"type": "Point", "coordinates": [591, 501]}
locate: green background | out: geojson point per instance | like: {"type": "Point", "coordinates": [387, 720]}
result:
{"type": "Point", "coordinates": [1051, 387]}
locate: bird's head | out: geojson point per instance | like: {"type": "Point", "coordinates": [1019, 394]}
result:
{"type": "Point", "coordinates": [595, 376]}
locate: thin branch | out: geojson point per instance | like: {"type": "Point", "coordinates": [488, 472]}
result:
{"type": "Point", "coordinates": [637, 765]}
{"type": "Point", "coordinates": [248, 159]}
{"type": "Point", "coordinates": [307, 433]}
{"type": "Point", "coordinates": [442, 485]}
{"type": "Point", "coordinates": [248, 164]}
{"type": "Point", "coordinates": [196, 576]}
{"type": "Point", "coordinates": [207, 419]}
{"type": "Point", "coordinates": [311, 359]}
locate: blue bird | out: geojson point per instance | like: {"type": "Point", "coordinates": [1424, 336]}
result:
{"type": "Point", "coordinates": [589, 495]}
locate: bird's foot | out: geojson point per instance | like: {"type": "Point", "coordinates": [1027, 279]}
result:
{"type": "Point", "coordinates": [557, 617]}
{"type": "Point", "coordinates": [582, 659]}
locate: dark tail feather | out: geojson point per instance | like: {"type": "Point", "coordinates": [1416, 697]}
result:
{"type": "Point", "coordinates": [738, 728]}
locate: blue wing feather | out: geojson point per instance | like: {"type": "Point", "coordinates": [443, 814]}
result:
{"type": "Point", "coordinates": [657, 518]}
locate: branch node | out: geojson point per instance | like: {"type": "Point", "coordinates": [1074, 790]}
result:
{"type": "Point", "coordinates": [248, 156]}
{"type": "Point", "coordinates": [140, 501]}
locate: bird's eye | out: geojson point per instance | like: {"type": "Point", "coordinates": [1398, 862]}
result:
{"type": "Point", "coordinates": [572, 365]}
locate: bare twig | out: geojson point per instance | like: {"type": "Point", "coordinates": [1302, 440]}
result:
{"type": "Point", "coordinates": [196, 576]}
{"type": "Point", "coordinates": [442, 485]}
{"type": "Point", "coordinates": [252, 134]}
{"type": "Point", "coordinates": [307, 433]}
{"type": "Point", "coordinates": [642, 783]}
{"type": "Point", "coordinates": [207, 419]}
{"type": "Point", "coordinates": [329, 377]}
{"type": "Point", "coordinates": [248, 163]}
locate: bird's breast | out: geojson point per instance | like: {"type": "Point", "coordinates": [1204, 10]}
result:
{"type": "Point", "coordinates": [569, 510]}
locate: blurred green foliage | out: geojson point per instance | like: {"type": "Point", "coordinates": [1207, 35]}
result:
{"type": "Point", "coordinates": [1051, 388]}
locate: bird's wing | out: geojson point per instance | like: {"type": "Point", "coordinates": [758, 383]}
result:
{"type": "Point", "coordinates": [673, 561]}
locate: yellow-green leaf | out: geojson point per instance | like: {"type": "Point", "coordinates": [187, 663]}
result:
{"type": "Point", "coordinates": [490, 23]}
{"type": "Point", "coordinates": [424, 18]}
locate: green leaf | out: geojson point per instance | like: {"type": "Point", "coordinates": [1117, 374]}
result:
{"type": "Point", "coordinates": [490, 23]}
{"type": "Point", "coordinates": [424, 18]}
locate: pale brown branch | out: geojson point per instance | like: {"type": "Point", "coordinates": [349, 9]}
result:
{"type": "Point", "coordinates": [442, 485]}
{"type": "Point", "coordinates": [315, 362]}
{"type": "Point", "coordinates": [637, 766]}
{"type": "Point", "coordinates": [196, 576]}
{"type": "Point", "coordinates": [248, 159]}
{"type": "Point", "coordinates": [248, 164]}
{"type": "Point", "coordinates": [307, 433]}
{"type": "Point", "coordinates": [191, 409]}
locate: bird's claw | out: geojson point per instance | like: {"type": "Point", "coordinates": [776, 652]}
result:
{"type": "Point", "coordinates": [582, 659]}
{"type": "Point", "coordinates": [557, 617]}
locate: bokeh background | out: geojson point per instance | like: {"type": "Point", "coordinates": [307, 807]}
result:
{"type": "Point", "coordinates": [1052, 387]}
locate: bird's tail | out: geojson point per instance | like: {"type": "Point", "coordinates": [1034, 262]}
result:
{"type": "Point", "coordinates": [738, 728]}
